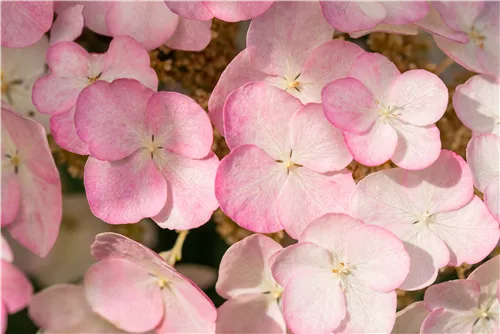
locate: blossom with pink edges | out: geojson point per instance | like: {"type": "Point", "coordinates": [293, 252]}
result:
{"type": "Point", "coordinates": [254, 297]}
{"type": "Point", "coordinates": [434, 212]}
{"type": "Point", "coordinates": [483, 156]}
{"type": "Point", "coordinates": [32, 210]}
{"type": "Point", "coordinates": [137, 291]}
{"type": "Point", "coordinates": [68, 25]}
{"type": "Point", "coordinates": [16, 289]}
{"type": "Point", "coordinates": [410, 319]}
{"type": "Point", "coordinates": [477, 102]}
{"type": "Point", "coordinates": [465, 306]}
{"type": "Point", "coordinates": [387, 115]}
{"type": "Point", "coordinates": [73, 69]}
{"type": "Point", "coordinates": [341, 277]}
{"type": "Point", "coordinates": [286, 162]}
{"type": "Point", "coordinates": [150, 155]}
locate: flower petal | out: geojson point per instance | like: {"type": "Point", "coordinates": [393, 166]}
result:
{"type": "Point", "coordinates": [68, 25]}
{"type": "Point", "coordinates": [487, 275]}
{"type": "Point", "coordinates": [442, 321]}
{"type": "Point", "coordinates": [434, 24]}
{"type": "Point", "coordinates": [492, 199]}
{"type": "Point", "coordinates": [190, 35]}
{"type": "Point", "coordinates": [454, 296]}
{"type": "Point", "coordinates": [234, 11]}
{"type": "Point", "coordinates": [63, 130]}
{"type": "Point", "coordinates": [483, 154]}
{"type": "Point", "coordinates": [12, 187]}
{"type": "Point", "coordinates": [463, 54]}
{"type": "Point", "coordinates": [193, 10]}
{"type": "Point", "coordinates": [95, 13]}
{"type": "Point", "coordinates": [350, 16]}
{"type": "Point", "coordinates": [410, 319]}
{"type": "Point", "coordinates": [6, 252]}
{"type": "Point", "coordinates": [16, 288]}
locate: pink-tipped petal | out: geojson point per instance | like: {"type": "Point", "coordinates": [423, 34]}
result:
{"type": "Point", "coordinates": [434, 24]}
{"type": "Point", "coordinates": [234, 11]}
{"type": "Point", "coordinates": [492, 198]}
{"type": "Point", "coordinates": [410, 319]}
{"type": "Point", "coordinates": [403, 12]}
{"type": "Point", "coordinates": [193, 10]}
{"type": "Point", "coordinates": [11, 190]}
{"type": "Point", "coordinates": [62, 126]}
{"type": "Point", "coordinates": [401, 29]}
{"type": "Point", "coordinates": [458, 295]}
{"type": "Point", "coordinates": [125, 294]}
{"type": "Point", "coordinates": [288, 31]}
{"type": "Point", "coordinates": [483, 154]}
{"type": "Point", "coordinates": [5, 250]}
{"type": "Point", "coordinates": [190, 35]}
{"type": "Point", "coordinates": [252, 205]}
{"type": "Point", "coordinates": [191, 195]}
{"type": "Point", "coordinates": [95, 13]}
{"type": "Point", "coordinates": [350, 16]}
{"type": "Point", "coordinates": [443, 321]}
{"type": "Point", "coordinates": [68, 26]}
{"type": "Point", "coordinates": [16, 289]}
{"type": "Point", "coordinates": [111, 118]}
{"type": "Point", "coordinates": [487, 275]}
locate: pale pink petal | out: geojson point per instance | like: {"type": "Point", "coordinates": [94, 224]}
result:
{"type": "Point", "coordinates": [245, 268]}
{"type": "Point", "coordinates": [487, 275]}
{"type": "Point", "coordinates": [25, 22]}
{"type": "Point", "coordinates": [442, 321]}
{"type": "Point", "coordinates": [418, 146]}
{"type": "Point", "coordinates": [350, 105]}
{"type": "Point", "coordinates": [191, 195]}
{"type": "Point", "coordinates": [316, 143]}
{"type": "Point", "coordinates": [410, 319]}
{"type": "Point", "coordinates": [259, 114]}
{"type": "Point", "coordinates": [288, 32]}
{"type": "Point", "coordinates": [68, 26]}
{"type": "Point", "coordinates": [251, 313]}
{"type": "Point", "coordinates": [401, 29]}
{"type": "Point", "coordinates": [193, 10]}
{"type": "Point", "coordinates": [308, 195]}
{"type": "Point", "coordinates": [190, 35]}
{"type": "Point", "coordinates": [489, 26]}
{"type": "Point", "coordinates": [6, 252]}
{"type": "Point", "coordinates": [236, 74]}
{"type": "Point", "coordinates": [476, 104]}
{"type": "Point", "coordinates": [11, 190]}
{"type": "Point", "coordinates": [247, 184]}
{"type": "Point", "coordinates": [463, 54]}
{"type": "Point", "coordinates": [62, 126]}
{"type": "Point", "coordinates": [111, 118]}
{"type": "Point", "coordinates": [455, 296]}
{"type": "Point", "coordinates": [375, 147]}
{"type": "Point", "coordinates": [119, 192]}
{"type": "Point", "coordinates": [179, 124]}
{"type": "Point", "coordinates": [460, 15]}
{"type": "Point", "coordinates": [234, 11]}
{"type": "Point", "coordinates": [492, 198]}
{"type": "Point", "coordinates": [434, 24]}
{"type": "Point", "coordinates": [125, 294]}
{"type": "Point", "coordinates": [149, 23]}
{"type": "Point", "coordinates": [313, 302]}
{"type": "Point", "coordinates": [350, 16]}
{"type": "Point", "coordinates": [402, 12]}
{"type": "Point", "coordinates": [420, 97]}
{"type": "Point", "coordinates": [16, 289]}
{"type": "Point", "coordinates": [95, 13]}
{"type": "Point", "coordinates": [483, 154]}
{"type": "Point", "coordinates": [470, 232]}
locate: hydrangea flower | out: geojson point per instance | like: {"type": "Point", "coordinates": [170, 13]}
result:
{"type": "Point", "coordinates": [73, 69]}
{"type": "Point", "coordinates": [285, 165]}
{"type": "Point", "coordinates": [434, 212]}
{"type": "Point", "coordinates": [476, 103]}
{"type": "Point", "coordinates": [63, 308]}
{"type": "Point", "coordinates": [341, 277]}
{"type": "Point", "coordinates": [465, 306]}
{"type": "Point", "coordinates": [137, 291]}
{"type": "Point", "coordinates": [483, 155]}
{"type": "Point", "coordinates": [33, 208]}
{"type": "Point", "coordinates": [387, 115]}
{"type": "Point", "coordinates": [254, 297]}
{"type": "Point", "coordinates": [409, 320]}
{"type": "Point", "coordinates": [68, 25]}
{"type": "Point", "coordinates": [289, 46]}
{"type": "Point", "coordinates": [20, 69]}
{"type": "Point", "coordinates": [25, 22]}
{"type": "Point", "coordinates": [15, 289]}
{"type": "Point", "coordinates": [144, 143]}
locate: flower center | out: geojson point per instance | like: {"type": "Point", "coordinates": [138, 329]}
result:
{"type": "Point", "coordinates": [276, 292]}
{"type": "Point", "coordinates": [341, 269]}
{"type": "Point", "coordinates": [15, 160]}
{"type": "Point", "coordinates": [289, 164]}
{"type": "Point", "coordinates": [152, 146]}
{"type": "Point", "coordinates": [425, 218]}
{"type": "Point", "coordinates": [94, 78]}
{"type": "Point", "coordinates": [476, 37]}
{"type": "Point", "coordinates": [162, 283]}
{"type": "Point", "coordinates": [389, 112]}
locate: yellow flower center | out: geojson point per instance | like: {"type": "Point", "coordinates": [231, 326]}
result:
{"type": "Point", "coordinates": [477, 37]}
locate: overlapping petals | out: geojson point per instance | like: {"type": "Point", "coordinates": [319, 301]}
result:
{"type": "Point", "coordinates": [433, 211]}
{"type": "Point", "coordinates": [68, 25]}
{"type": "Point", "coordinates": [387, 115]}
{"type": "Point", "coordinates": [410, 319]}
{"type": "Point", "coordinates": [230, 11]}
{"type": "Point", "coordinates": [286, 158]}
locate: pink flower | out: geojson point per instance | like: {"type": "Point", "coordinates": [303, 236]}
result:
{"type": "Point", "coordinates": [289, 46]}
{"type": "Point", "coordinates": [465, 306]}
{"type": "Point", "coordinates": [33, 208]}
{"type": "Point", "coordinates": [25, 22]}
{"type": "Point", "coordinates": [409, 320]}
{"type": "Point", "coordinates": [73, 69]}
{"type": "Point", "coordinates": [282, 169]}
{"type": "Point", "coordinates": [341, 277]}
{"type": "Point", "coordinates": [254, 297]}
{"type": "Point", "coordinates": [387, 115]}
{"type": "Point", "coordinates": [150, 155]}
{"type": "Point", "coordinates": [483, 155]}
{"type": "Point", "coordinates": [68, 25]}
{"type": "Point", "coordinates": [63, 308]}
{"type": "Point", "coordinates": [476, 103]}
{"type": "Point", "coordinates": [433, 211]}
{"type": "Point", "coordinates": [136, 290]}
{"type": "Point", "coordinates": [16, 290]}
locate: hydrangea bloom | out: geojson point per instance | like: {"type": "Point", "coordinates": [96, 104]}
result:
{"type": "Point", "coordinates": [477, 102]}
{"type": "Point", "coordinates": [409, 320]}
{"type": "Point", "coordinates": [25, 22]}
{"type": "Point", "coordinates": [16, 290]}
{"type": "Point", "coordinates": [73, 69]}
{"type": "Point", "coordinates": [341, 277]}
{"type": "Point", "coordinates": [33, 208]}
{"type": "Point", "coordinates": [281, 172]}
{"type": "Point", "coordinates": [483, 155]}
{"type": "Point", "coordinates": [387, 115]}
{"type": "Point", "coordinates": [143, 143]}
{"type": "Point", "coordinates": [68, 25]}
{"type": "Point", "coordinates": [289, 46]}
{"type": "Point", "coordinates": [20, 68]}
{"type": "Point", "coordinates": [254, 297]}
{"type": "Point", "coordinates": [433, 211]}
{"type": "Point", "coordinates": [63, 308]}
{"type": "Point", "coordinates": [136, 290]}
{"type": "Point", "coordinates": [465, 306]}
